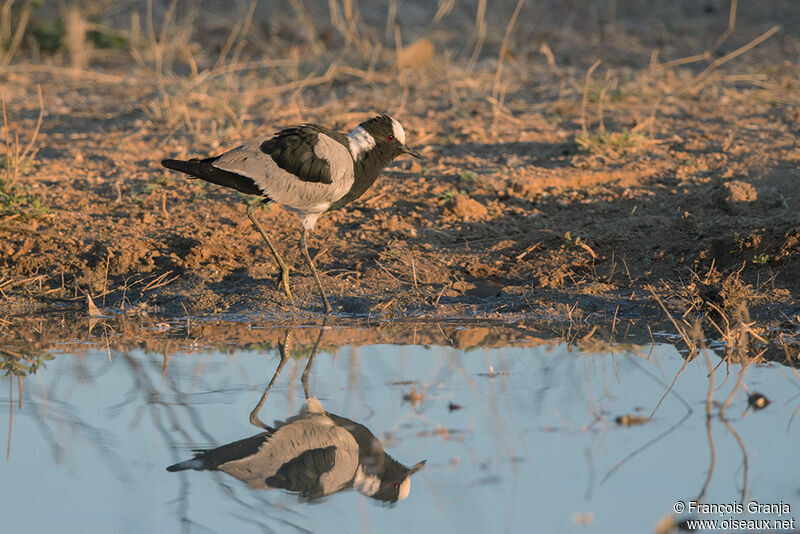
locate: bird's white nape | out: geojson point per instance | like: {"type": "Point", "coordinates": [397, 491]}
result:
{"type": "Point", "coordinates": [399, 133]}
{"type": "Point", "coordinates": [360, 142]}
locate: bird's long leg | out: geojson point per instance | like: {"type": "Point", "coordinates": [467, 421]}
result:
{"type": "Point", "coordinates": [304, 250]}
{"type": "Point", "coordinates": [282, 348]}
{"type": "Point", "coordinates": [284, 270]}
{"type": "Point", "coordinates": [307, 370]}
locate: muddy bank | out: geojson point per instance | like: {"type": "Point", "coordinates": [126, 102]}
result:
{"type": "Point", "coordinates": [26, 343]}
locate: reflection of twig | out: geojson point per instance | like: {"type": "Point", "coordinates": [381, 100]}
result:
{"type": "Point", "coordinates": [738, 384]}
{"type": "Point", "coordinates": [659, 436]}
{"type": "Point", "coordinates": [789, 424]}
{"type": "Point", "coordinates": [669, 389]}
{"type": "Point", "coordinates": [797, 408]}
{"type": "Point", "coordinates": [10, 416]}
{"type": "Point", "coordinates": [684, 335]}
{"type": "Point", "coordinates": [592, 474]}
{"type": "Point", "coordinates": [713, 455]}
{"type": "Point", "coordinates": [744, 454]}
{"type": "Point", "coordinates": [64, 412]}
{"type": "Point", "coordinates": [686, 339]}
{"type": "Point", "coordinates": [712, 460]}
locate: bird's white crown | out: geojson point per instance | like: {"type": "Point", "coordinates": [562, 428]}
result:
{"type": "Point", "coordinates": [398, 131]}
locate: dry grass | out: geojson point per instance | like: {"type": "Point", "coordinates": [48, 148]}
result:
{"type": "Point", "coordinates": [13, 26]}
{"type": "Point", "coordinates": [18, 160]}
{"type": "Point", "coordinates": [15, 201]}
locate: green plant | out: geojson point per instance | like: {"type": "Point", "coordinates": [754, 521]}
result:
{"type": "Point", "coordinates": [104, 37]}
{"type": "Point", "coordinates": [16, 159]}
{"type": "Point", "coordinates": [752, 240]}
{"type": "Point", "coordinates": [467, 176]}
{"type": "Point", "coordinates": [49, 35]}
{"type": "Point", "coordinates": [22, 364]}
{"type": "Point", "coordinates": [761, 259]}
{"type": "Point", "coordinates": [572, 241]}
{"type": "Point", "coordinates": [450, 194]}
{"type": "Point", "coordinates": [15, 200]}
{"type": "Point", "coordinates": [156, 184]}
{"type": "Point", "coordinates": [614, 94]}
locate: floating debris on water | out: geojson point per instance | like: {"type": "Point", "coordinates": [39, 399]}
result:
{"type": "Point", "coordinates": [492, 373]}
{"type": "Point", "coordinates": [757, 401]}
{"type": "Point", "coordinates": [631, 420]}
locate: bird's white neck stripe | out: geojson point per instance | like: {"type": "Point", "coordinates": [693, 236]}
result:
{"type": "Point", "coordinates": [398, 132]}
{"type": "Point", "coordinates": [360, 142]}
{"type": "Point", "coordinates": [366, 484]}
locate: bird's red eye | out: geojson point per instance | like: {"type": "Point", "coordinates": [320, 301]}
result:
{"type": "Point", "coordinates": [395, 485]}
{"type": "Point", "coordinates": [390, 137]}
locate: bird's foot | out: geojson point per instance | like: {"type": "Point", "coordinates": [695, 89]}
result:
{"type": "Point", "coordinates": [284, 281]}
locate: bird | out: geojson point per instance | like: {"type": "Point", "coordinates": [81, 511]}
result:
{"type": "Point", "coordinates": [313, 454]}
{"type": "Point", "coordinates": [307, 169]}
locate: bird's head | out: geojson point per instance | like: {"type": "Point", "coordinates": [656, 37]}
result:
{"type": "Point", "coordinates": [395, 484]}
{"type": "Point", "coordinates": [387, 139]}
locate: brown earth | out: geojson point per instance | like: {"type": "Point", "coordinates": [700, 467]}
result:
{"type": "Point", "coordinates": [548, 189]}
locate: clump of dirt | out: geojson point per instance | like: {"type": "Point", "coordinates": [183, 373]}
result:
{"type": "Point", "coordinates": [466, 209]}
{"type": "Point", "coordinates": [735, 196]}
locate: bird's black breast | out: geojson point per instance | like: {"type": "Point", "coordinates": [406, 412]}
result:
{"type": "Point", "coordinates": [366, 171]}
{"type": "Point", "coordinates": [292, 150]}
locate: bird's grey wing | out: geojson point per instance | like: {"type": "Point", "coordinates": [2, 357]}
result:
{"type": "Point", "coordinates": [303, 168]}
{"type": "Point", "coordinates": [302, 473]}
{"type": "Point", "coordinates": [370, 450]}
{"type": "Point", "coordinates": [304, 432]}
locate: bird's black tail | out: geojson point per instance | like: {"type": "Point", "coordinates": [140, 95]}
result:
{"type": "Point", "coordinates": [213, 458]}
{"type": "Point", "coordinates": [195, 463]}
{"type": "Point", "coordinates": [203, 169]}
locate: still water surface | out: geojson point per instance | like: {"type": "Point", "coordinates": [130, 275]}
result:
{"type": "Point", "coordinates": [516, 439]}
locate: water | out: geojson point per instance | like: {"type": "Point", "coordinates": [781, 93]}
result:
{"type": "Point", "coordinates": [517, 439]}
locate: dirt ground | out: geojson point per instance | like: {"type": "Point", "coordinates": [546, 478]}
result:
{"type": "Point", "coordinates": [551, 188]}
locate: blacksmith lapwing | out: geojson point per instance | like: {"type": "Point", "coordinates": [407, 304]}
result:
{"type": "Point", "coordinates": [313, 454]}
{"type": "Point", "coordinates": [307, 169]}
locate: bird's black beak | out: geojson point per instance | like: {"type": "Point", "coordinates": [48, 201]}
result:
{"type": "Point", "coordinates": [417, 467]}
{"type": "Point", "coordinates": [408, 150]}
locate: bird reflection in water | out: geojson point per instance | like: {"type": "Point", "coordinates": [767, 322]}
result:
{"type": "Point", "coordinates": [313, 454]}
